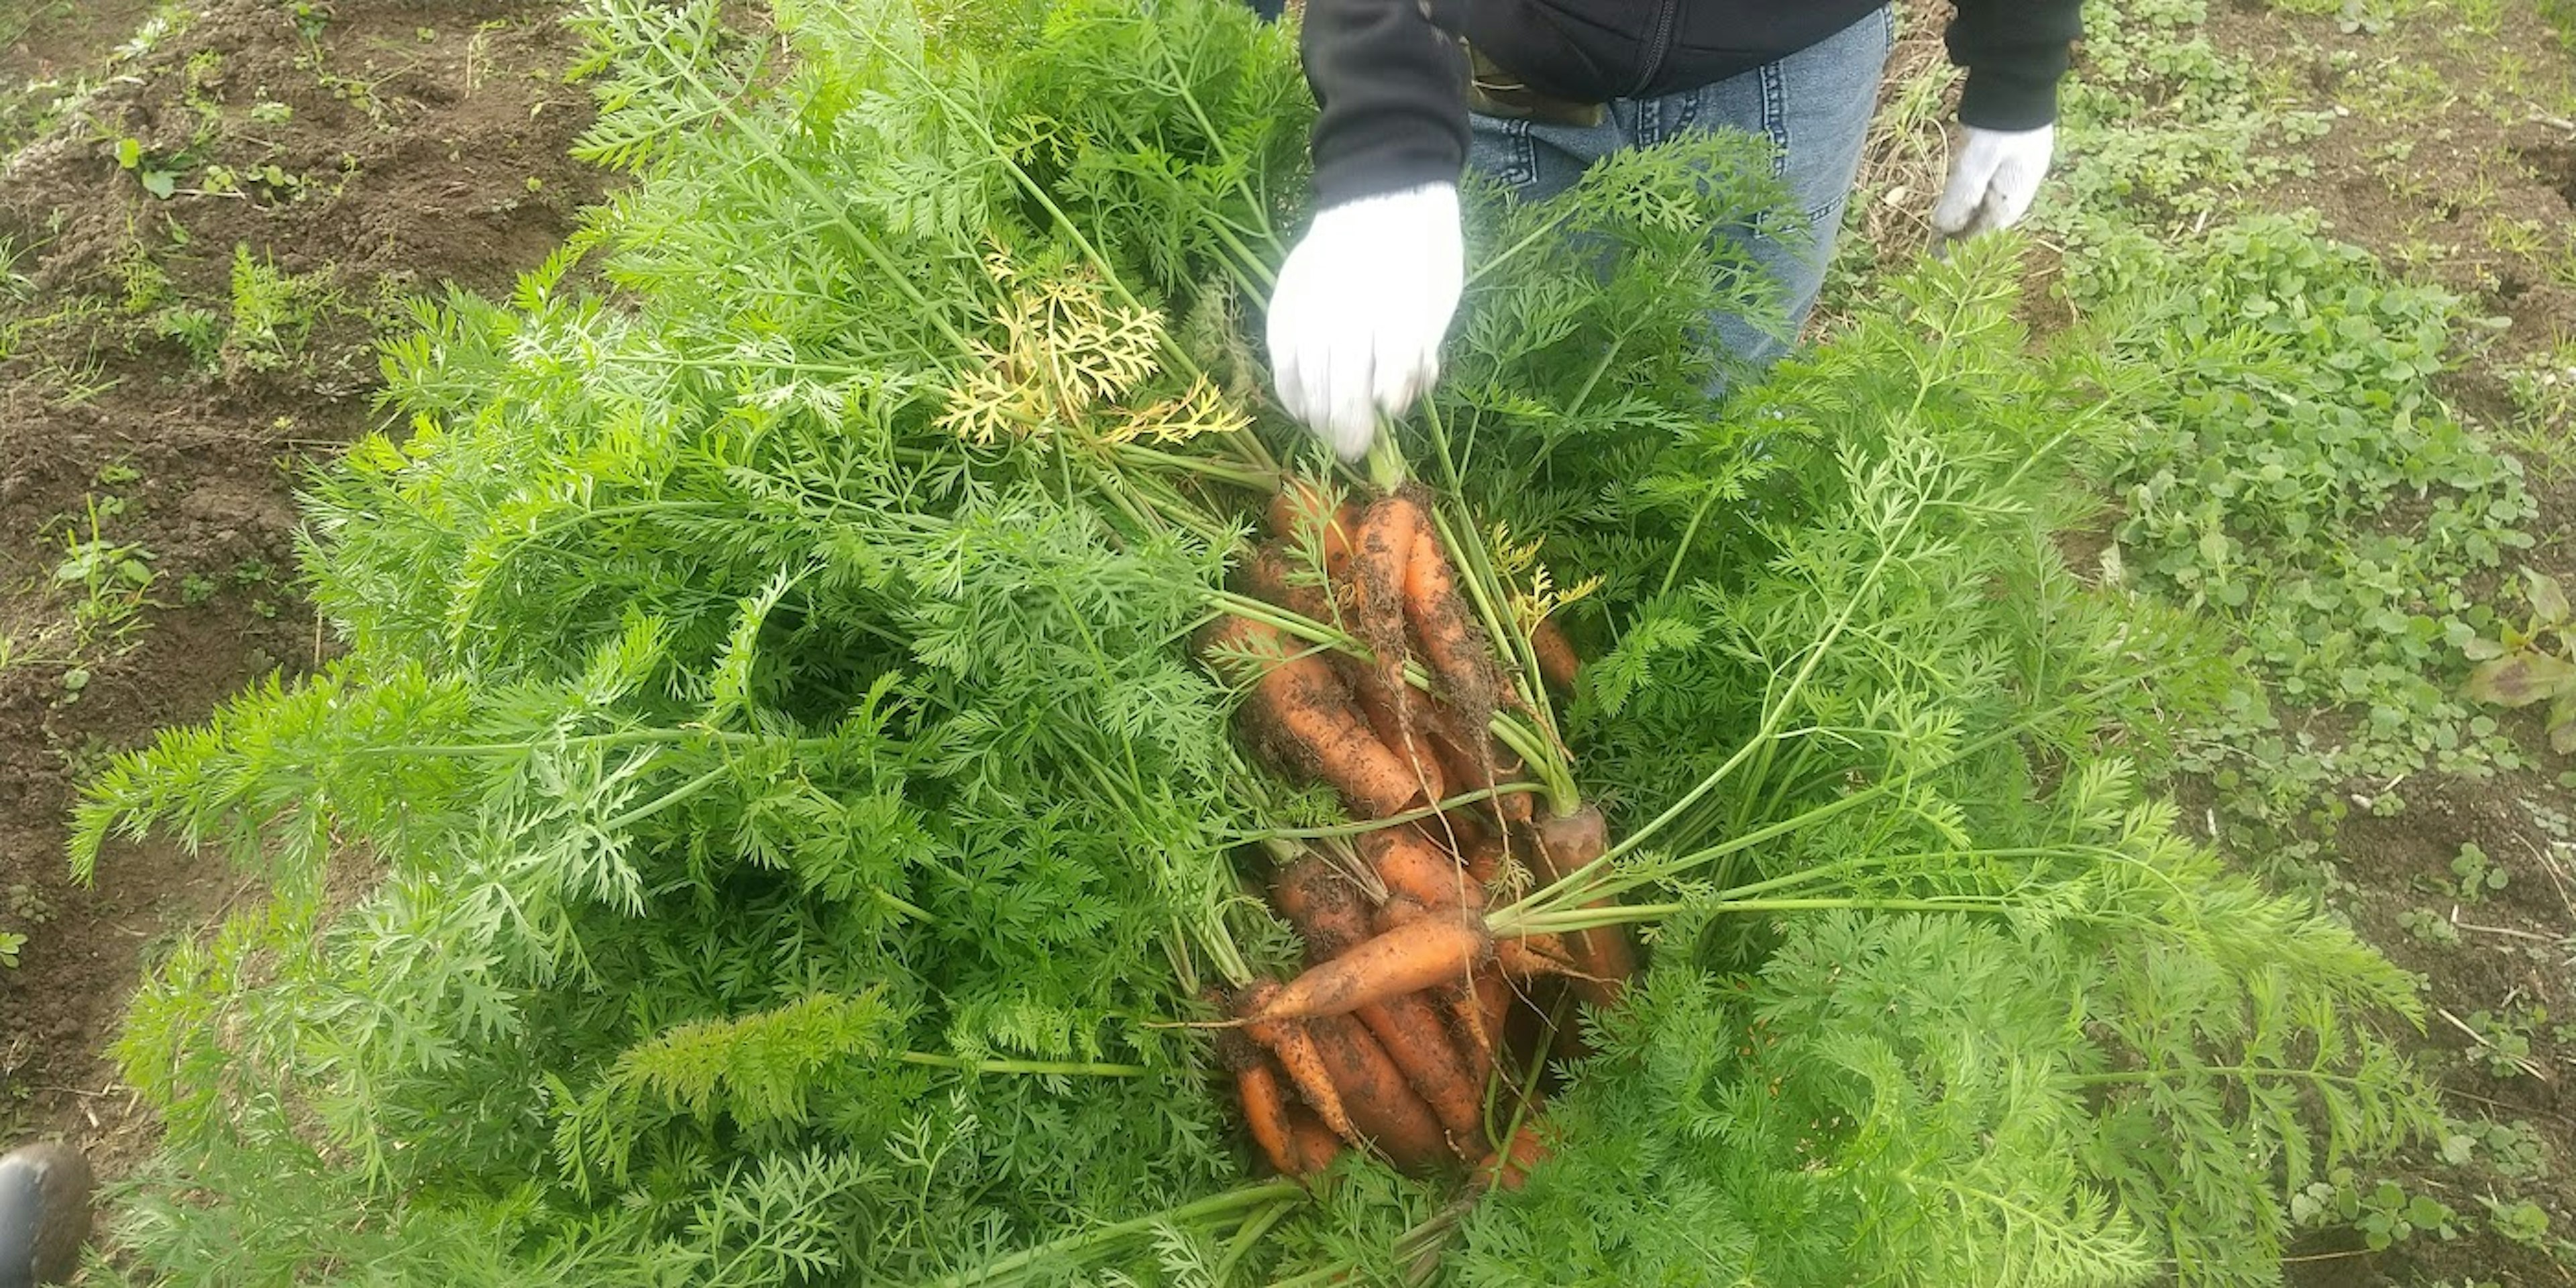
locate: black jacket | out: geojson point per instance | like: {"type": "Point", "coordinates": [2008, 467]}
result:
{"type": "Point", "coordinates": [1392, 79]}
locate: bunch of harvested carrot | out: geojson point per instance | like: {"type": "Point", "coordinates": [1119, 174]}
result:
{"type": "Point", "coordinates": [1413, 1028]}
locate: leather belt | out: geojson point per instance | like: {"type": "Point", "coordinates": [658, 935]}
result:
{"type": "Point", "coordinates": [1493, 91]}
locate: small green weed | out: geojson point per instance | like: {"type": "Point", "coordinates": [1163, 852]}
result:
{"type": "Point", "coordinates": [273, 311]}
{"type": "Point", "coordinates": [10, 944]}
{"type": "Point", "coordinates": [2522, 1221]}
{"type": "Point", "coordinates": [29, 905]}
{"type": "Point", "coordinates": [2504, 1041]}
{"type": "Point", "coordinates": [2475, 875]}
{"type": "Point", "coordinates": [2384, 1213]}
{"type": "Point", "coordinates": [2429, 926]}
{"type": "Point", "coordinates": [2300, 478]}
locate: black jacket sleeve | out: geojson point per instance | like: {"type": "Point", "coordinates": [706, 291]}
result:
{"type": "Point", "coordinates": [1393, 92]}
{"type": "Point", "coordinates": [2015, 52]}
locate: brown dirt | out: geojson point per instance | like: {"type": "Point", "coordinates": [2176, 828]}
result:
{"type": "Point", "coordinates": [416, 144]}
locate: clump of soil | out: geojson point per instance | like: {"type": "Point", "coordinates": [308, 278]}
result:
{"type": "Point", "coordinates": [199, 259]}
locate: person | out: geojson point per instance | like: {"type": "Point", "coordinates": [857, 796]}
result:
{"type": "Point", "coordinates": [1413, 92]}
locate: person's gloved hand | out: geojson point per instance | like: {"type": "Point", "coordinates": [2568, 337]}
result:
{"type": "Point", "coordinates": [1360, 308]}
{"type": "Point", "coordinates": [1992, 179]}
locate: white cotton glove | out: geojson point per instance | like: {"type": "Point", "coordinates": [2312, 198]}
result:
{"type": "Point", "coordinates": [1361, 305]}
{"type": "Point", "coordinates": [1992, 179]}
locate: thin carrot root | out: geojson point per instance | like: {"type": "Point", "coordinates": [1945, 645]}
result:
{"type": "Point", "coordinates": [1302, 716]}
{"type": "Point", "coordinates": [1265, 1111]}
{"type": "Point", "coordinates": [1528, 957]}
{"type": "Point", "coordinates": [1299, 1057]}
{"type": "Point", "coordinates": [1441, 945]}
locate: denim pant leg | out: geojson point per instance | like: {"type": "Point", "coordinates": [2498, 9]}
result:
{"type": "Point", "coordinates": [1814, 106]}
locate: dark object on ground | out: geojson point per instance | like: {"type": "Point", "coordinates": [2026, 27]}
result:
{"type": "Point", "coordinates": [44, 1214]}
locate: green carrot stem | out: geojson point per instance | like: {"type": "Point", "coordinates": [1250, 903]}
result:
{"type": "Point", "coordinates": [2230, 1070]}
{"type": "Point", "coordinates": [1509, 925]}
{"type": "Point", "coordinates": [1775, 710]}
{"type": "Point", "coordinates": [1067, 1068]}
{"type": "Point", "coordinates": [1359, 826]}
{"type": "Point", "coordinates": [1092, 1240]}
{"type": "Point", "coordinates": [666, 800]}
{"type": "Point", "coordinates": [1245, 1238]}
{"type": "Point", "coordinates": [627, 738]}
{"type": "Point", "coordinates": [1245, 476]}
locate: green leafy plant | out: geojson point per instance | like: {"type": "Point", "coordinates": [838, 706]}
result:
{"type": "Point", "coordinates": [2534, 663]}
{"type": "Point", "coordinates": [2477, 875]}
{"type": "Point", "coordinates": [796, 832]}
{"type": "Point", "coordinates": [2383, 1212]}
{"type": "Point", "coordinates": [10, 944]}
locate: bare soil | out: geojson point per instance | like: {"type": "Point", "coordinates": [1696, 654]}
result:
{"type": "Point", "coordinates": [414, 145]}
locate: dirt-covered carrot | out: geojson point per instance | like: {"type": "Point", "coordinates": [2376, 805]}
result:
{"type": "Point", "coordinates": [1382, 550]}
{"type": "Point", "coordinates": [1302, 717]}
{"type": "Point", "coordinates": [1410, 1029]}
{"type": "Point", "coordinates": [1265, 1111]}
{"type": "Point", "coordinates": [1410, 865]}
{"type": "Point", "coordinates": [1311, 1142]}
{"type": "Point", "coordinates": [1454, 644]}
{"type": "Point", "coordinates": [1529, 1146]}
{"type": "Point", "coordinates": [1299, 1057]}
{"type": "Point", "coordinates": [1602, 954]}
{"type": "Point", "coordinates": [1328, 911]}
{"type": "Point", "coordinates": [1303, 512]}
{"type": "Point", "coordinates": [1556, 661]}
{"type": "Point", "coordinates": [1384, 1109]}
{"type": "Point", "coordinates": [1402, 719]}
{"type": "Point", "coordinates": [1441, 945]}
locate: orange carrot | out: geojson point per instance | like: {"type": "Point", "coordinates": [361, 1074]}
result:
{"type": "Point", "coordinates": [1528, 1147]}
{"type": "Point", "coordinates": [1556, 660]}
{"type": "Point", "coordinates": [1303, 512]}
{"type": "Point", "coordinates": [1385, 1112]}
{"type": "Point", "coordinates": [1442, 945]}
{"type": "Point", "coordinates": [1602, 953]}
{"type": "Point", "coordinates": [1311, 1142]}
{"type": "Point", "coordinates": [1267, 576]}
{"type": "Point", "coordinates": [1324, 907]}
{"type": "Point", "coordinates": [1381, 548]}
{"type": "Point", "coordinates": [1454, 645]}
{"type": "Point", "coordinates": [1410, 865]}
{"type": "Point", "coordinates": [1410, 1030]}
{"type": "Point", "coordinates": [1402, 719]}
{"type": "Point", "coordinates": [1302, 717]}
{"type": "Point", "coordinates": [1265, 1110]}
{"type": "Point", "coordinates": [1298, 1055]}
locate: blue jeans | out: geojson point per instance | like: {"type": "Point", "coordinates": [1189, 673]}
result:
{"type": "Point", "coordinates": [1814, 106]}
